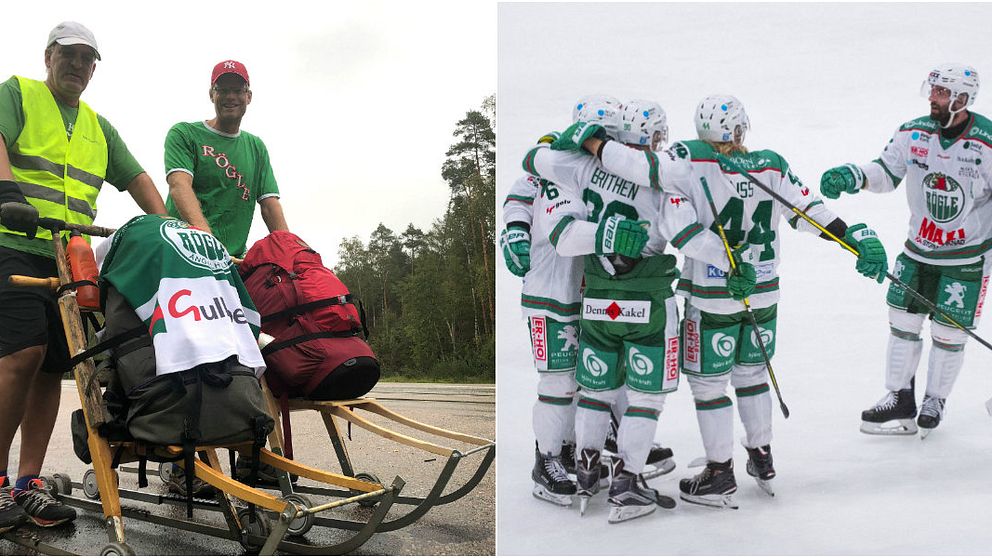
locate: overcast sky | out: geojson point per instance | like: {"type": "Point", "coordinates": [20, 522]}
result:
{"type": "Point", "coordinates": [356, 101]}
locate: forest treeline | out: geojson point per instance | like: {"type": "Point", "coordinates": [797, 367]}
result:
{"type": "Point", "coordinates": [429, 296]}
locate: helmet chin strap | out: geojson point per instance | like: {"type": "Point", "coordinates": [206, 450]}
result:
{"type": "Point", "coordinates": [952, 112]}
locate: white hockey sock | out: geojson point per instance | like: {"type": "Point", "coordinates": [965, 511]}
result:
{"type": "Point", "coordinates": [904, 350]}
{"type": "Point", "coordinates": [553, 415]}
{"type": "Point", "coordinates": [946, 359]}
{"type": "Point", "coordinates": [568, 435]}
{"type": "Point", "coordinates": [715, 414]}
{"type": "Point", "coordinates": [754, 403]}
{"type": "Point", "coordinates": [637, 427]}
{"type": "Point", "coordinates": [592, 418]}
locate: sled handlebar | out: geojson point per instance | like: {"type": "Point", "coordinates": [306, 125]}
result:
{"type": "Point", "coordinates": [25, 281]}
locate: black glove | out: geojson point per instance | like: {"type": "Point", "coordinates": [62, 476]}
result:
{"type": "Point", "coordinates": [11, 192]}
{"type": "Point", "coordinates": [15, 212]}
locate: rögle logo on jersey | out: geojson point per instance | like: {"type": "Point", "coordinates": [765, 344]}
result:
{"type": "Point", "coordinates": [723, 344]}
{"type": "Point", "coordinates": [639, 363]}
{"type": "Point", "coordinates": [945, 197]}
{"type": "Point", "coordinates": [595, 365]}
{"type": "Point", "coordinates": [607, 310]}
{"type": "Point", "coordinates": [196, 247]}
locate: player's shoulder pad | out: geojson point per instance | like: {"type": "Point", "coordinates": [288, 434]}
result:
{"type": "Point", "coordinates": [981, 130]}
{"type": "Point", "coordinates": [922, 124]}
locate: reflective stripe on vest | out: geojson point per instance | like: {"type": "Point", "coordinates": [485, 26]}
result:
{"type": "Point", "coordinates": [59, 176]}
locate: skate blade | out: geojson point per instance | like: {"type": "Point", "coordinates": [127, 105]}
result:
{"type": "Point", "coordinates": [988, 406]}
{"type": "Point", "coordinates": [713, 500]}
{"type": "Point", "coordinates": [904, 427]}
{"type": "Point", "coordinates": [583, 504]}
{"type": "Point", "coordinates": [766, 485]}
{"type": "Point", "coordinates": [698, 462]}
{"type": "Point", "coordinates": [663, 467]}
{"type": "Point", "coordinates": [620, 514]}
{"type": "Point", "coordinates": [542, 493]}
{"type": "Point", "coordinates": [924, 432]}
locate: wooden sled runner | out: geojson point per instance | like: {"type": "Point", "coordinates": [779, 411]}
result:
{"type": "Point", "coordinates": [247, 525]}
{"type": "Point", "coordinates": [358, 412]}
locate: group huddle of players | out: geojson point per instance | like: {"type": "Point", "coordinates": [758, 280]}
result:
{"type": "Point", "coordinates": [587, 228]}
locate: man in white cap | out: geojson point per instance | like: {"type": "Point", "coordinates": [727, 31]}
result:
{"type": "Point", "coordinates": [217, 172]}
{"type": "Point", "coordinates": [55, 154]}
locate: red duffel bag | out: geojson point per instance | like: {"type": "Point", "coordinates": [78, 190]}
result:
{"type": "Point", "coordinates": [319, 351]}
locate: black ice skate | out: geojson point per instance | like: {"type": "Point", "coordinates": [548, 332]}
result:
{"type": "Point", "coordinates": [551, 482]}
{"type": "Point", "coordinates": [899, 406]}
{"type": "Point", "coordinates": [715, 486]}
{"type": "Point", "coordinates": [630, 496]}
{"type": "Point", "coordinates": [568, 460]}
{"type": "Point", "coordinates": [931, 412]}
{"type": "Point", "coordinates": [759, 466]}
{"type": "Point", "coordinates": [659, 460]}
{"type": "Point", "coordinates": [587, 477]}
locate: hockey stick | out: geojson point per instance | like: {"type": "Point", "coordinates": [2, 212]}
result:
{"type": "Point", "coordinates": [922, 299]}
{"type": "Point", "coordinates": [747, 303]}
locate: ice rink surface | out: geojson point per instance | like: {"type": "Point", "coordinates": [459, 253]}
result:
{"type": "Point", "coordinates": [823, 85]}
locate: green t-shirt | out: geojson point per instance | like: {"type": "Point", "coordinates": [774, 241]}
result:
{"type": "Point", "coordinates": [230, 173]}
{"type": "Point", "coordinates": [121, 165]}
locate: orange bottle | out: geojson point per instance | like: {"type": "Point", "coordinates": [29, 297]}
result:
{"type": "Point", "coordinates": [83, 266]}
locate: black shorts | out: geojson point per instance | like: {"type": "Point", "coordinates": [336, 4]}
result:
{"type": "Point", "coordinates": [30, 316]}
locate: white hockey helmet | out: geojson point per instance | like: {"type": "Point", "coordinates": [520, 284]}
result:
{"type": "Point", "coordinates": [599, 109]}
{"type": "Point", "coordinates": [586, 99]}
{"type": "Point", "coordinates": [957, 78]}
{"type": "Point", "coordinates": [721, 118]}
{"type": "Point", "coordinates": [643, 123]}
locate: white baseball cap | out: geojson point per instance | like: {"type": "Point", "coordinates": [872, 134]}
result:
{"type": "Point", "coordinates": [72, 33]}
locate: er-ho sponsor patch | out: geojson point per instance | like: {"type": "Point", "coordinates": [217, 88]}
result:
{"type": "Point", "coordinates": [609, 310]}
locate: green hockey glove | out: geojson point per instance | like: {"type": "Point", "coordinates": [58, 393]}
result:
{"type": "Point", "coordinates": [515, 242]}
{"type": "Point", "coordinates": [617, 235]}
{"type": "Point", "coordinates": [743, 278]}
{"type": "Point", "coordinates": [575, 135]}
{"type": "Point", "coordinates": [848, 179]}
{"type": "Point", "coordinates": [549, 138]}
{"type": "Point", "coordinates": [872, 262]}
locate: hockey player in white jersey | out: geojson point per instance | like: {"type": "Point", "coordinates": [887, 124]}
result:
{"type": "Point", "coordinates": [718, 343]}
{"type": "Point", "coordinates": [945, 161]}
{"type": "Point", "coordinates": [628, 336]}
{"type": "Point", "coordinates": [550, 302]}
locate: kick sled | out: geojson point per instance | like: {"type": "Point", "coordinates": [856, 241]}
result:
{"type": "Point", "coordinates": [360, 412]}
{"type": "Point", "coordinates": [241, 505]}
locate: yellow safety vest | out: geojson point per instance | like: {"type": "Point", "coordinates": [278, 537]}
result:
{"type": "Point", "coordinates": [61, 177]}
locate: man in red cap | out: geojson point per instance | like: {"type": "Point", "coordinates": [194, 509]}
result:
{"type": "Point", "coordinates": [217, 172]}
{"type": "Point", "coordinates": [55, 154]}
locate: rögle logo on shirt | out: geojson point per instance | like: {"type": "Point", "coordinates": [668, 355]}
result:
{"type": "Point", "coordinates": [198, 248]}
{"type": "Point", "coordinates": [945, 197]}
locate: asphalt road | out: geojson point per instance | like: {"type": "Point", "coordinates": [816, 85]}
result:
{"type": "Point", "coordinates": [463, 527]}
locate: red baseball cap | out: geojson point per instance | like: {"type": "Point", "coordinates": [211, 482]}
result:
{"type": "Point", "coordinates": [229, 67]}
